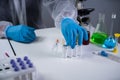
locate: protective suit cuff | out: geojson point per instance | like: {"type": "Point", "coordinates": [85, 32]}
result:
{"type": "Point", "coordinates": [3, 26]}
{"type": "Point", "coordinates": [5, 36]}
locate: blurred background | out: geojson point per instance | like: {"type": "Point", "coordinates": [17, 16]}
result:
{"type": "Point", "coordinates": [101, 6]}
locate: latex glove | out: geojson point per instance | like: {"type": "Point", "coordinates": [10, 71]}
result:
{"type": "Point", "coordinates": [20, 33]}
{"type": "Point", "coordinates": [71, 31]}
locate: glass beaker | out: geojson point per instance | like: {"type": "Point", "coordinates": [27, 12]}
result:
{"type": "Point", "coordinates": [100, 34]}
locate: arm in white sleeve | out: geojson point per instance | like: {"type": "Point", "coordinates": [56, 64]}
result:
{"type": "Point", "coordinates": [61, 9]}
{"type": "Point", "coordinates": [3, 26]}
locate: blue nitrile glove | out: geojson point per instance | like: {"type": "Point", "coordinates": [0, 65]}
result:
{"type": "Point", "coordinates": [20, 33]}
{"type": "Point", "coordinates": [71, 31]}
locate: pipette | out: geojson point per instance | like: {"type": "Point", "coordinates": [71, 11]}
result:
{"type": "Point", "coordinates": [108, 55]}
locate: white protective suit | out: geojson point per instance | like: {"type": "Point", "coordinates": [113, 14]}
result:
{"type": "Point", "coordinates": [58, 9]}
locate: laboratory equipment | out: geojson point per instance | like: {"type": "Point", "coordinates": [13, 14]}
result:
{"type": "Point", "coordinates": [107, 55]}
{"type": "Point", "coordinates": [117, 35]}
{"type": "Point", "coordinates": [85, 11]}
{"type": "Point", "coordinates": [83, 18]}
{"type": "Point", "coordinates": [110, 42]}
{"type": "Point", "coordinates": [66, 51]}
{"type": "Point", "coordinates": [87, 27]}
{"type": "Point", "coordinates": [55, 46]}
{"type": "Point", "coordinates": [99, 35]}
{"type": "Point", "coordinates": [17, 68]}
{"type": "Point", "coordinates": [70, 53]}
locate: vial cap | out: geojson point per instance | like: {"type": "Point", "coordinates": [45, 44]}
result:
{"type": "Point", "coordinates": [12, 61]}
{"type": "Point", "coordinates": [103, 53]}
{"type": "Point", "coordinates": [16, 69]}
{"type": "Point", "coordinates": [14, 65]}
{"type": "Point", "coordinates": [19, 60]}
{"type": "Point", "coordinates": [25, 58]}
{"type": "Point", "coordinates": [30, 65]}
{"type": "Point", "coordinates": [23, 67]}
{"type": "Point", "coordinates": [21, 63]}
{"type": "Point", "coordinates": [28, 62]}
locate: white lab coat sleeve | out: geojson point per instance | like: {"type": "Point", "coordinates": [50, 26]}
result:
{"type": "Point", "coordinates": [61, 9]}
{"type": "Point", "coordinates": [3, 26]}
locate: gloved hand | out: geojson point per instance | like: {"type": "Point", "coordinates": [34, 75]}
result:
{"type": "Point", "coordinates": [71, 31]}
{"type": "Point", "coordinates": [20, 33]}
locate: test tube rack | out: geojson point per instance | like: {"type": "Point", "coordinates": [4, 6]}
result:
{"type": "Point", "coordinates": [16, 68]}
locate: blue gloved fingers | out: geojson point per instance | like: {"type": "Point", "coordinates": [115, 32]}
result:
{"type": "Point", "coordinates": [65, 34]}
{"type": "Point", "coordinates": [75, 35]}
{"type": "Point", "coordinates": [73, 38]}
{"type": "Point", "coordinates": [70, 38]}
{"type": "Point", "coordinates": [21, 33]}
{"type": "Point", "coordinates": [69, 32]}
{"type": "Point", "coordinates": [80, 36]}
{"type": "Point", "coordinates": [85, 33]}
{"type": "Point", "coordinates": [28, 36]}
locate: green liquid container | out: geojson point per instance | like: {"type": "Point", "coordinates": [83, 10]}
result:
{"type": "Point", "coordinates": [98, 38]}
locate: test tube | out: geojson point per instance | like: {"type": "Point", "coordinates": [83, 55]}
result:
{"type": "Point", "coordinates": [17, 78]}
{"type": "Point", "coordinates": [64, 48]}
{"type": "Point", "coordinates": [68, 52]}
{"type": "Point", "coordinates": [55, 46]}
{"type": "Point", "coordinates": [30, 76]}
{"type": "Point", "coordinates": [79, 51]}
{"type": "Point", "coordinates": [23, 77]}
{"type": "Point", "coordinates": [73, 52]}
{"type": "Point", "coordinates": [15, 68]}
{"type": "Point", "coordinates": [1, 67]}
{"type": "Point", "coordinates": [29, 65]}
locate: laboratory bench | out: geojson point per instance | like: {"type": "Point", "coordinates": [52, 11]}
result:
{"type": "Point", "coordinates": [52, 65]}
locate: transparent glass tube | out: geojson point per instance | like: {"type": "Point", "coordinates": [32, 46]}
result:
{"type": "Point", "coordinates": [68, 52]}
{"type": "Point", "coordinates": [17, 78]}
{"type": "Point", "coordinates": [30, 76]}
{"type": "Point", "coordinates": [79, 51]}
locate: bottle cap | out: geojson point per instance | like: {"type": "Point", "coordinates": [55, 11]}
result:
{"type": "Point", "coordinates": [19, 60]}
{"type": "Point", "coordinates": [16, 69]}
{"type": "Point", "coordinates": [103, 53]}
{"type": "Point", "coordinates": [25, 58]}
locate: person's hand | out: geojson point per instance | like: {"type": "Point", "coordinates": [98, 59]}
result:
{"type": "Point", "coordinates": [20, 33]}
{"type": "Point", "coordinates": [72, 31]}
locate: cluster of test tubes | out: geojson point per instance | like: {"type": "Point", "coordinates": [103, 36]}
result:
{"type": "Point", "coordinates": [67, 51]}
{"type": "Point", "coordinates": [17, 69]}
